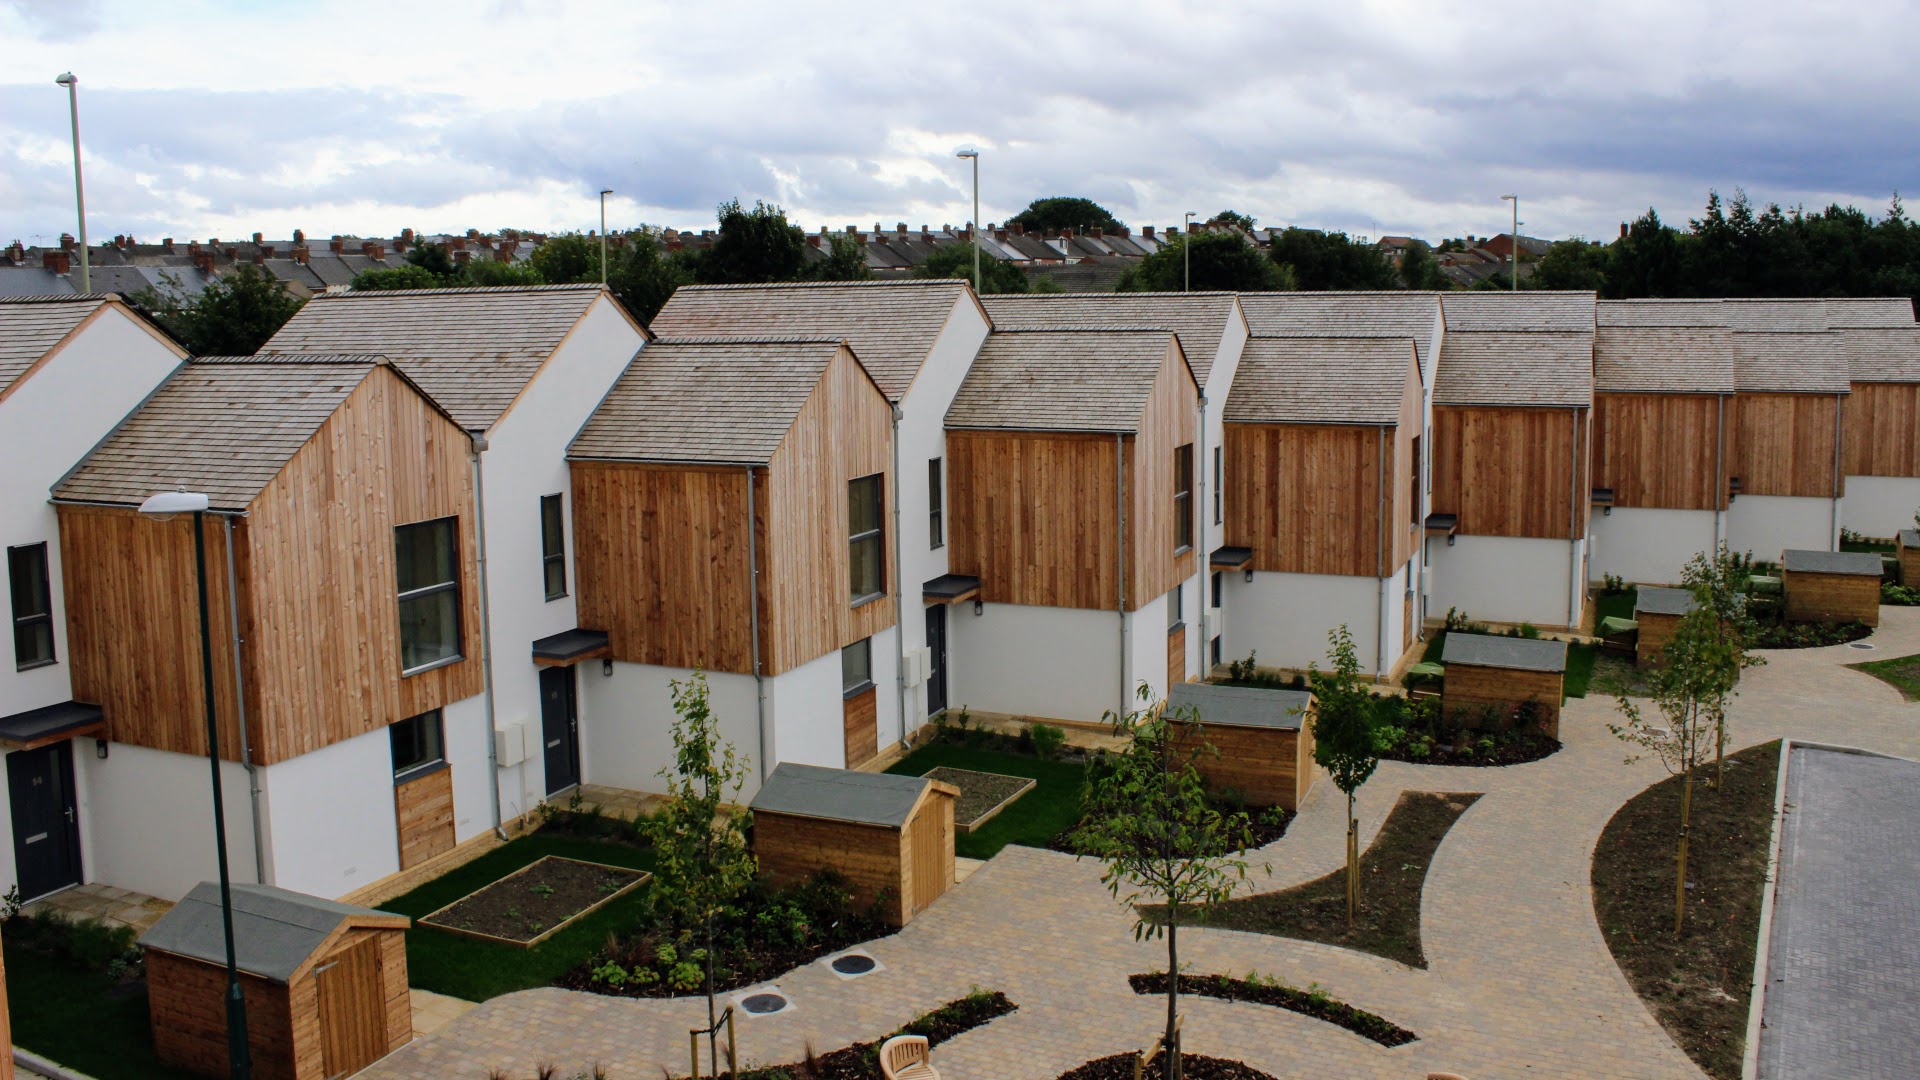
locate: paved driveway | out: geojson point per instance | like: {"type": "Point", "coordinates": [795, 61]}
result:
{"type": "Point", "coordinates": [1520, 982]}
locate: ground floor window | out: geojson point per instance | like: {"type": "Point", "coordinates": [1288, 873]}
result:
{"type": "Point", "coordinates": [856, 667]}
{"type": "Point", "coordinates": [419, 745]}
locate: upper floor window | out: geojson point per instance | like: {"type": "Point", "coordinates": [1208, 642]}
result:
{"type": "Point", "coordinates": [553, 546]}
{"type": "Point", "coordinates": [1219, 491]}
{"type": "Point", "coordinates": [856, 667]}
{"type": "Point", "coordinates": [1183, 497]}
{"type": "Point", "coordinates": [32, 606]}
{"type": "Point", "coordinates": [936, 506]}
{"type": "Point", "coordinates": [427, 563]}
{"type": "Point", "coordinates": [419, 744]}
{"type": "Point", "coordinates": [865, 537]}
{"type": "Point", "coordinates": [1176, 609]}
{"type": "Point", "coordinates": [1413, 483]}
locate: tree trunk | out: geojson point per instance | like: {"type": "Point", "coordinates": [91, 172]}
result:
{"type": "Point", "coordinates": [1680, 879]}
{"type": "Point", "coordinates": [1353, 863]}
{"type": "Point", "coordinates": [713, 1025]}
{"type": "Point", "coordinates": [1171, 1040]}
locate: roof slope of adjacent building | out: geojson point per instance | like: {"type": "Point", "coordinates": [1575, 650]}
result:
{"type": "Point", "coordinates": [891, 325]}
{"type": "Point", "coordinates": [30, 327]}
{"type": "Point", "coordinates": [716, 401]}
{"type": "Point", "coordinates": [1414, 315]}
{"type": "Point", "coordinates": [1882, 354]}
{"type": "Point", "coordinates": [472, 349]}
{"type": "Point", "coordinates": [1777, 316]}
{"type": "Point", "coordinates": [1199, 319]}
{"type": "Point", "coordinates": [224, 426]}
{"type": "Point", "coordinates": [1639, 358]}
{"type": "Point", "coordinates": [1649, 312]}
{"type": "Point", "coordinates": [1868, 312]}
{"type": "Point", "coordinates": [1519, 312]}
{"type": "Point", "coordinates": [1088, 379]}
{"type": "Point", "coordinates": [1550, 369]}
{"type": "Point", "coordinates": [1321, 380]}
{"type": "Point", "coordinates": [1791, 362]}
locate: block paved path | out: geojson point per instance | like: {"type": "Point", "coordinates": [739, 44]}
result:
{"type": "Point", "coordinates": [1520, 983]}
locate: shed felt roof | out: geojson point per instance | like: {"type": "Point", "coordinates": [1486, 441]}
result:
{"type": "Point", "coordinates": [1660, 312]}
{"type": "Point", "coordinates": [1543, 368]}
{"type": "Point", "coordinates": [1910, 537]}
{"type": "Point", "coordinates": [840, 794]}
{"type": "Point", "coordinates": [1523, 312]}
{"type": "Point", "coordinates": [223, 426]}
{"type": "Point", "coordinates": [1491, 650]}
{"type": "Point", "coordinates": [1657, 600]}
{"type": "Point", "coordinates": [1882, 354]}
{"type": "Point", "coordinates": [1242, 706]}
{"type": "Point", "coordinates": [1791, 362]}
{"type": "Point", "coordinates": [275, 931]}
{"type": "Point", "coordinates": [1199, 319]}
{"type": "Point", "coordinates": [1346, 315]}
{"type": "Point", "coordinates": [717, 401]}
{"type": "Point", "coordinates": [472, 350]}
{"type": "Point", "coordinates": [892, 325]}
{"type": "Point", "coordinates": [1782, 316]}
{"type": "Point", "coordinates": [1663, 360]}
{"type": "Point", "coordinates": [30, 326]}
{"type": "Point", "coordinates": [1862, 563]}
{"type": "Point", "coordinates": [1321, 380]}
{"type": "Point", "coordinates": [1869, 312]}
{"type": "Point", "coordinates": [1072, 379]}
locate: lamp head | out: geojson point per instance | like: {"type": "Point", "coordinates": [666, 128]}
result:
{"type": "Point", "coordinates": [966, 153]}
{"type": "Point", "coordinates": [604, 192]}
{"type": "Point", "coordinates": [68, 79]}
{"type": "Point", "coordinates": [168, 503]}
{"type": "Point", "coordinates": [1509, 198]}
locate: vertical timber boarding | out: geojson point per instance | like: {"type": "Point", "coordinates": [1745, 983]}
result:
{"type": "Point", "coordinates": [860, 715]}
{"type": "Point", "coordinates": [423, 817]}
{"type": "Point", "coordinates": [347, 988]}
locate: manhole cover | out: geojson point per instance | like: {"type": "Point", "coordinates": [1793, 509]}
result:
{"type": "Point", "coordinates": [1858, 645]}
{"type": "Point", "coordinates": [762, 1004]}
{"type": "Point", "coordinates": [853, 964]}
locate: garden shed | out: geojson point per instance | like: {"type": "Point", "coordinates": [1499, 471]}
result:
{"type": "Point", "coordinates": [1907, 549]}
{"type": "Point", "coordinates": [1658, 612]}
{"type": "Point", "coordinates": [325, 983]}
{"type": "Point", "coordinates": [1265, 744]}
{"type": "Point", "coordinates": [1505, 674]}
{"type": "Point", "coordinates": [890, 836]}
{"type": "Point", "coordinates": [1831, 586]}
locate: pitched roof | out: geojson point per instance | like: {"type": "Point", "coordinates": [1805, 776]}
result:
{"type": "Point", "coordinates": [1791, 362]}
{"type": "Point", "coordinates": [1882, 354]}
{"type": "Point", "coordinates": [1199, 319]}
{"type": "Point", "coordinates": [1646, 359]}
{"type": "Point", "coordinates": [1860, 563]}
{"type": "Point", "coordinates": [1547, 369]}
{"type": "Point", "coordinates": [891, 325]}
{"type": "Point", "coordinates": [839, 794]}
{"type": "Point", "coordinates": [1652, 312]}
{"type": "Point", "coordinates": [472, 349]}
{"type": "Point", "coordinates": [30, 326]}
{"type": "Point", "coordinates": [1321, 380]}
{"type": "Point", "coordinates": [1657, 600]}
{"type": "Point", "coordinates": [1527, 312]}
{"type": "Point", "coordinates": [1346, 315]}
{"type": "Point", "coordinates": [1242, 706]}
{"type": "Point", "coordinates": [1094, 379]}
{"type": "Point", "coordinates": [720, 401]}
{"type": "Point", "coordinates": [1495, 650]}
{"type": "Point", "coordinates": [1853, 312]}
{"type": "Point", "coordinates": [222, 425]}
{"type": "Point", "coordinates": [275, 931]}
{"type": "Point", "coordinates": [1777, 316]}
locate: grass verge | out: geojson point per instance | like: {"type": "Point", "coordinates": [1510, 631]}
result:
{"type": "Point", "coordinates": [1698, 984]}
{"type": "Point", "coordinates": [77, 1014]}
{"type": "Point", "coordinates": [1902, 673]}
{"type": "Point", "coordinates": [1034, 819]}
{"type": "Point", "coordinates": [1393, 871]}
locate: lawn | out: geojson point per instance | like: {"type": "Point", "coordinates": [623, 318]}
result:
{"type": "Point", "coordinates": [1052, 807]}
{"type": "Point", "coordinates": [1863, 544]}
{"type": "Point", "coordinates": [1901, 672]}
{"type": "Point", "coordinates": [476, 970]}
{"type": "Point", "coordinates": [80, 1017]}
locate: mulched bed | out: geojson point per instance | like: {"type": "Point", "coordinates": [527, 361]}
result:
{"type": "Point", "coordinates": [1698, 985]}
{"type": "Point", "coordinates": [980, 792]}
{"type": "Point", "coordinates": [533, 901]}
{"type": "Point", "coordinates": [1511, 749]}
{"type": "Point", "coordinates": [1193, 1067]}
{"type": "Point", "coordinates": [1808, 635]}
{"type": "Point", "coordinates": [861, 1061]}
{"type": "Point", "coordinates": [1305, 1002]}
{"type": "Point", "coordinates": [1393, 871]}
{"type": "Point", "coordinates": [1266, 826]}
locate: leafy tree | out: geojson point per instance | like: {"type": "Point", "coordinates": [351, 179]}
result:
{"type": "Point", "coordinates": [1235, 217]}
{"type": "Point", "coordinates": [644, 274]}
{"type": "Point", "coordinates": [1420, 270]}
{"type": "Point", "coordinates": [1222, 260]}
{"type": "Point", "coordinates": [233, 316]}
{"type": "Point", "coordinates": [1065, 212]}
{"type": "Point", "coordinates": [1647, 261]}
{"type": "Point", "coordinates": [496, 272]}
{"type": "Point", "coordinates": [1323, 261]}
{"type": "Point", "coordinates": [702, 861]}
{"type": "Point", "coordinates": [404, 276]}
{"type": "Point", "coordinates": [846, 261]}
{"type": "Point", "coordinates": [1570, 264]}
{"type": "Point", "coordinates": [571, 258]}
{"type": "Point", "coordinates": [754, 246]}
{"type": "Point", "coordinates": [1148, 820]}
{"type": "Point", "coordinates": [956, 261]}
{"type": "Point", "coordinates": [1343, 738]}
{"type": "Point", "coordinates": [1718, 582]}
{"type": "Point", "coordinates": [434, 259]}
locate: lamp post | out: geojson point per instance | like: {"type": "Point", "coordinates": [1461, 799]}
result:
{"type": "Point", "coordinates": [72, 83]}
{"type": "Point", "coordinates": [604, 192]}
{"type": "Point", "coordinates": [166, 505]}
{"type": "Point", "coordinates": [1186, 254]}
{"type": "Point", "coordinates": [975, 156]}
{"type": "Point", "coordinates": [1514, 255]}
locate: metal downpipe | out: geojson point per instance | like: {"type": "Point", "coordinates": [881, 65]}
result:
{"type": "Point", "coordinates": [479, 445]}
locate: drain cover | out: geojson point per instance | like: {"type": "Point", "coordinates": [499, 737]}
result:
{"type": "Point", "coordinates": [762, 1004]}
{"type": "Point", "coordinates": [854, 964]}
{"type": "Point", "coordinates": [1858, 645]}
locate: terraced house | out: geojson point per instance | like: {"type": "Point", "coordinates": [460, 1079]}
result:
{"type": "Point", "coordinates": [1793, 376]}
{"type": "Point", "coordinates": [1880, 426]}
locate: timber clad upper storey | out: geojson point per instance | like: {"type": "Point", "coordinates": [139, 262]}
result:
{"type": "Point", "coordinates": [1792, 375]}
{"type": "Point", "coordinates": [1882, 419]}
{"type": "Point", "coordinates": [1663, 373]}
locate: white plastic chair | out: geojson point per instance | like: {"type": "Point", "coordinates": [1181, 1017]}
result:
{"type": "Point", "coordinates": [904, 1057]}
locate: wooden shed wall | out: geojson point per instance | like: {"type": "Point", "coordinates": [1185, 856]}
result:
{"type": "Point", "coordinates": [1167, 423]}
{"type": "Point", "coordinates": [1033, 515]}
{"type": "Point", "coordinates": [1305, 497]}
{"type": "Point", "coordinates": [1655, 631]}
{"type": "Point", "coordinates": [1512, 471]}
{"type": "Point", "coordinates": [187, 1001]}
{"type": "Point", "coordinates": [1881, 429]}
{"type": "Point", "coordinates": [792, 849]}
{"type": "Point", "coordinates": [1267, 766]}
{"type": "Point", "coordinates": [1783, 444]}
{"type": "Point", "coordinates": [1831, 597]}
{"type": "Point", "coordinates": [395, 1001]}
{"type": "Point", "coordinates": [926, 854]}
{"type": "Point", "coordinates": [1909, 565]}
{"type": "Point", "coordinates": [1469, 689]}
{"type": "Point", "coordinates": [1660, 451]}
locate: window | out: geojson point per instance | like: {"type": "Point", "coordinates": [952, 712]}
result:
{"type": "Point", "coordinates": [1413, 482]}
{"type": "Point", "coordinates": [1176, 617]}
{"type": "Point", "coordinates": [1216, 588]}
{"type": "Point", "coordinates": [1215, 659]}
{"type": "Point", "coordinates": [856, 667]}
{"type": "Point", "coordinates": [419, 744]}
{"type": "Point", "coordinates": [868, 577]}
{"type": "Point", "coordinates": [1183, 497]}
{"type": "Point", "coordinates": [1219, 492]}
{"type": "Point", "coordinates": [936, 508]}
{"type": "Point", "coordinates": [32, 606]}
{"type": "Point", "coordinates": [553, 546]}
{"type": "Point", "coordinates": [427, 563]}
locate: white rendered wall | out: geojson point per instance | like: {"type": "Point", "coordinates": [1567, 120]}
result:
{"type": "Point", "coordinates": [1880, 505]}
{"type": "Point", "coordinates": [147, 819]}
{"type": "Point", "coordinates": [808, 709]}
{"type": "Point", "coordinates": [1226, 363]}
{"type": "Point", "coordinates": [1146, 654]}
{"type": "Point", "coordinates": [1769, 524]}
{"type": "Point", "coordinates": [1284, 619]}
{"type": "Point", "coordinates": [1058, 663]}
{"type": "Point", "coordinates": [1503, 579]}
{"type": "Point", "coordinates": [1650, 546]}
{"type": "Point", "coordinates": [631, 737]}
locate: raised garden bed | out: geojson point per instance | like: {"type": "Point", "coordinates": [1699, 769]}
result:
{"type": "Point", "coordinates": [982, 794]}
{"type": "Point", "coordinates": [1699, 984]}
{"type": "Point", "coordinates": [1393, 871]}
{"type": "Point", "coordinates": [536, 901]}
{"type": "Point", "coordinates": [1902, 673]}
{"type": "Point", "coordinates": [861, 1061]}
{"type": "Point", "coordinates": [1192, 1066]}
{"type": "Point", "coordinates": [1309, 1002]}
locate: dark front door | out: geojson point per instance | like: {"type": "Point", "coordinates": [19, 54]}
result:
{"type": "Point", "coordinates": [46, 822]}
{"type": "Point", "coordinates": [560, 727]}
{"type": "Point", "coordinates": [937, 669]}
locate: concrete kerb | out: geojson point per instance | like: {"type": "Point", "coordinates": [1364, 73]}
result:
{"type": "Point", "coordinates": [33, 1062]}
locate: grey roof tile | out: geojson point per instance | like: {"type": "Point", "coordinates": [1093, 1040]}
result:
{"type": "Point", "coordinates": [1882, 354]}
{"type": "Point", "coordinates": [1321, 380]}
{"type": "Point", "coordinates": [1061, 379]}
{"type": "Point", "coordinates": [1199, 319]}
{"type": "Point", "coordinates": [1242, 706]}
{"type": "Point", "coordinates": [275, 931]}
{"type": "Point", "coordinates": [1530, 311]}
{"type": "Point", "coordinates": [840, 794]}
{"type": "Point", "coordinates": [30, 326]}
{"type": "Point", "coordinates": [1777, 316]}
{"type": "Point", "coordinates": [1869, 312]}
{"type": "Point", "coordinates": [1496, 650]}
{"type": "Point", "coordinates": [1644, 359]}
{"type": "Point", "coordinates": [1791, 362]}
{"type": "Point", "coordinates": [1413, 315]}
{"type": "Point", "coordinates": [1858, 563]}
{"type": "Point", "coordinates": [1660, 312]}
{"type": "Point", "coordinates": [1547, 369]}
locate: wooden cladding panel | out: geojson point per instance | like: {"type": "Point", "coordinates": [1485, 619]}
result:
{"type": "Point", "coordinates": [1661, 451]}
{"type": "Point", "coordinates": [1831, 598]}
{"type": "Point", "coordinates": [843, 432]}
{"type": "Point", "coordinates": [1166, 424]}
{"type": "Point", "coordinates": [1511, 471]}
{"type": "Point", "coordinates": [928, 853]}
{"type": "Point", "coordinates": [1783, 444]}
{"type": "Point", "coordinates": [661, 562]}
{"type": "Point", "coordinates": [1305, 497]}
{"type": "Point", "coordinates": [423, 813]}
{"type": "Point", "coordinates": [1177, 656]}
{"type": "Point", "coordinates": [1263, 764]}
{"type": "Point", "coordinates": [1881, 427]}
{"type": "Point", "coordinates": [1468, 691]}
{"type": "Point", "coordinates": [1034, 516]}
{"type": "Point", "coordinates": [860, 714]}
{"type": "Point", "coordinates": [187, 1002]}
{"type": "Point", "coordinates": [1909, 566]}
{"type": "Point", "coordinates": [792, 849]}
{"type": "Point", "coordinates": [1655, 631]}
{"type": "Point", "coordinates": [351, 1010]}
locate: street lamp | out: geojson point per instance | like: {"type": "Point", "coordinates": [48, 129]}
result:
{"type": "Point", "coordinates": [604, 192]}
{"type": "Point", "coordinates": [1186, 253]}
{"type": "Point", "coordinates": [72, 83]}
{"type": "Point", "coordinates": [975, 156]}
{"type": "Point", "coordinates": [164, 506]}
{"type": "Point", "coordinates": [1514, 255]}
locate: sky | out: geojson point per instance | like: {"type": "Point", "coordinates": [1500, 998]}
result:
{"type": "Point", "coordinates": [203, 118]}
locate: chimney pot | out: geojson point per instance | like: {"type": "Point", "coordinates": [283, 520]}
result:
{"type": "Point", "coordinates": [337, 246]}
{"type": "Point", "coordinates": [852, 229]}
{"type": "Point", "coordinates": [1018, 228]}
{"type": "Point", "coordinates": [213, 241]}
{"type": "Point", "coordinates": [1098, 232]}
{"type": "Point", "coordinates": [300, 254]}
{"type": "Point", "coordinates": [256, 238]}
{"type": "Point", "coordinates": [461, 254]}
{"type": "Point", "coordinates": [901, 228]}
{"type": "Point", "coordinates": [473, 234]}
{"type": "Point", "coordinates": [1146, 231]}
{"type": "Point", "coordinates": [299, 236]}
{"type": "Point", "coordinates": [503, 253]}
{"type": "Point", "coordinates": [58, 262]}
{"type": "Point", "coordinates": [1000, 235]}
{"type": "Point", "coordinates": [66, 241]}
{"type": "Point", "coordinates": [259, 258]}
{"type": "Point", "coordinates": [400, 245]}
{"type": "Point", "coordinates": [1623, 230]}
{"type": "Point", "coordinates": [372, 250]}
{"type": "Point", "coordinates": [407, 235]}
{"type": "Point", "coordinates": [457, 243]}
{"type": "Point", "coordinates": [166, 245]}
{"type": "Point", "coordinates": [203, 261]}
{"type": "Point", "coordinates": [266, 251]}
{"type": "Point", "coordinates": [812, 240]}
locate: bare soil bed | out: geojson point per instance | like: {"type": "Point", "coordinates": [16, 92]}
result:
{"type": "Point", "coordinates": [1312, 1003]}
{"type": "Point", "coordinates": [861, 1061]}
{"type": "Point", "coordinates": [982, 794]}
{"type": "Point", "coordinates": [527, 905]}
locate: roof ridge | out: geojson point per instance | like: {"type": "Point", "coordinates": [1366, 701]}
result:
{"type": "Point", "coordinates": [1078, 329]}
{"type": "Point", "coordinates": [750, 339]}
{"type": "Point", "coordinates": [278, 359]}
{"type": "Point", "coordinates": [462, 290]}
{"type": "Point", "coordinates": [824, 284]}
{"type": "Point", "coordinates": [62, 298]}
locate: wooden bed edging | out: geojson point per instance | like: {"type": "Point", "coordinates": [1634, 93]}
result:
{"type": "Point", "coordinates": [428, 919]}
{"type": "Point", "coordinates": [993, 811]}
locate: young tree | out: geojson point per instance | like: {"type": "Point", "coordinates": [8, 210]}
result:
{"type": "Point", "coordinates": [1219, 260]}
{"type": "Point", "coordinates": [1570, 264]}
{"type": "Point", "coordinates": [702, 862]}
{"type": "Point", "coordinates": [1148, 820]}
{"type": "Point", "coordinates": [956, 261]}
{"type": "Point", "coordinates": [433, 258]}
{"type": "Point", "coordinates": [644, 274]}
{"type": "Point", "coordinates": [1343, 738]}
{"type": "Point", "coordinates": [233, 316]}
{"type": "Point", "coordinates": [404, 276]}
{"type": "Point", "coordinates": [1064, 212]}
